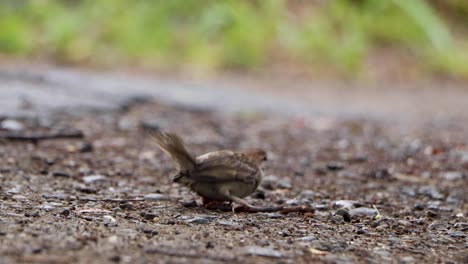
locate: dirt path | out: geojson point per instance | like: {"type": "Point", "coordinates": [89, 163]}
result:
{"type": "Point", "coordinates": [383, 191]}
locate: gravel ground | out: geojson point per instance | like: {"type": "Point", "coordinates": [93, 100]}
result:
{"type": "Point", "coordinates": [382, 192]}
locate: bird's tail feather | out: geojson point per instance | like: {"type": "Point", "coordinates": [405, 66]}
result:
{"type": "Point", "coordinates": [174, 146]}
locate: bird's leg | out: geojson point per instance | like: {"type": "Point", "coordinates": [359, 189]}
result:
{"type": "Point", "coordinates": [241, 202]}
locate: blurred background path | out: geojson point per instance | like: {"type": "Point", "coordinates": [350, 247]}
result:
{"type": "Point", "coordinates": [38, 90]}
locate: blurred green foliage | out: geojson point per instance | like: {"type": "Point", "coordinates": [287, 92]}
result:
{"type": "Point", "coordinates": [234, 34]}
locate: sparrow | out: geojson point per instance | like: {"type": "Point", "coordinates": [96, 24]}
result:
{"type": "Point", "coordinates": [216, 176]}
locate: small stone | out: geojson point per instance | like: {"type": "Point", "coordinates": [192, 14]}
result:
{"type": "Point", "coordinates": [231, 225]}
{"type": "Point", "coordinates": [126, 206]}
{"type": "Point", "coordinates": [274, 215]}
{"type": "Point", "coordinates": [191, 203]}
{"type": "Point", "coordinates": [307, 238]}
{"type": "Point", "coordinates": [156, 197]}
{"type": "Point", "coordinates": [307, 194]}
{"type": "Point", "coordinates": [360, 231]}
{"type": "Point", "coordinates": [408, 259]}
{"type": "Point", "coordinates": [209, 245]}
{"type": "Point", "coordinates": [94, 178]}
{"type": "Point", "coordinates": [418, 207]}
{"type": "Point", "coordinates": [84, 147]}
{"type": "Point", "coordinates": [432, 213]}
{"type": "Point", "coordinates": [436, 226]}
{"type": "Point", "coordinates": [264, 252]}
{"type": "Point", "coordinates": [320, 171]}
{"type": "Point", "coordinates": [270, 182]}
{"type": "Point", "coordinates": [258, 194]}
{"type": "Point", "coordinates": [115, 258]}
{"type": "Point", "coordinates": [430, 191]}
{"type": "Point", "coordinates": [337, 219]}
{"type": "Point", "coordinates": [108, 220]}
{"type": "Point", "coordinates": [457, 234]}
{"type": "Point", "coordinates": [321, 207]}
{"type": "Point", "coordinates": [346, 204]}
{"type": "Point", "coordinates": [61, 174]}
{"type": "Point", "coordinates": [11, 125]}
{"type": "Point", "coordinates": [127, 124]}
{"type": "Point", "coordinates": [50, 206]}
{"type": "Point", "coordinates": [292, 202]}
{"type": "Point", "coordinates": [461, 226]}
{"type": "Point", "coordinates": [363, 212]}
{"type": "Point", "coordinates": [344, 214]}
{"type": "Point", "coordinates": [335, 166]}
{"type": "Point", "coordinates": [452, 175]}
{"type": "Point", "coordinates": [13, 191]}
{"type": "Point", "coordinates": [65, 212]}
{"type": "Point", "coordinates": [18, 197]}
{"type": "Point", "coordinates": [85, 189]}
{"type": "Point", "coordinates": [148, 215]}
{"type": "Point", "coordinates": [201, 220]}
{"type": "Point", "coordinates": [32, 214]}
{"type": "Point", "coordinates": [113, 239]}
{"type": "Point", "coordinates": [284, 184]}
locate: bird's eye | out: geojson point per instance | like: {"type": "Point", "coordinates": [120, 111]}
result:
{"type": "Point", "coordinates": [264, 158]}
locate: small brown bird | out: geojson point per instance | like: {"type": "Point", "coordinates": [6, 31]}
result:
{"type": "Point", "coordinates": [216, 176]}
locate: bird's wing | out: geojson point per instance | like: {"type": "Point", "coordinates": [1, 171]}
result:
{"type": "Point", "coordinates": [224, 166]}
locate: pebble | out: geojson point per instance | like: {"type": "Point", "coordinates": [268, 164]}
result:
{"type": "Point", "coordinates": [408, 259]}
{"type": "Point", "coordinates": [363, 212]}
{"type": "Point", "coordinates": [272, 182]}
{"type": "Point", "coordinates": [191, 203]}
{"type": "Point", "coordinates": [307, 194]}
{"type": "Point", "coordinates": [292, 202]}
{"type": "Point", "coordinates": [231, 225]}
{"type": "Point", "coordinates": [461, 226]}
{"type": "Point", "coordinates": [284, 184]}
{"type": "Point", "coordinates": [201, 220]}
{"type": "Point", "coordinates": [337, 219]}
{"type": "Point", "coordinates": [322, 207]}
{"type": "Point", "coordinates": [263, 251]}
{"type": "Point", "coordinates": [84, 147]}
{"type": "Point", "coordinates": [274, 215]}
{"type": "Point", "coordinates": [431, 213]}
{"type": "Point", "coordinates": [346, 204]}
{"type": "Point", "coordinates": [156, 197]}
{"type": "Point", "coordinates": [11, 125]}
{"type": "Point", "coordinates": [108, 220]}
{"type": "Point", "coordinates": [32, 214]}
{"type": "Point", "coordinates": [113, 239]}
{"type": "Point", "coordinates": [306, 238]}
{"type": "Point", "coordinates": [430, 191]}
{"type": "Point", "coordinates": [50, 206]}
{"type": "Point", "coordinates": [61, 174]}
{"type": "Point", "coordinates": [436, 226]}
{"type": "Point", "coordinates": [456, 234]}
{"type": "Point", "coordinates": [344, 214]}
{"type": "Point", "coordinates": [18, 197]}
{"type": "Point", "coordinates": [13, 191]}
{"type": "Point", "coordinates": [94, 178]}
{"type": "Point", "coordinates": [259, 194]}
{"type": "Point", "coordinates": [335, 166]}
{"type": "Point", "coordinates": [148, 215]}
{"type": "Point", "coordinates": [127, 124]}
{"type": "Point", "coordinates": [269, 182]}
{"type": "Point", "coordinates": [452, 175]}
{"type": "Point", "coordinates": [360, 231]}
{"type": "Point", "coordinates": [65, 212]}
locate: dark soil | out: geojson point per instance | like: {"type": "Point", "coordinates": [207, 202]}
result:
{"type": "Point", "coordinates": [381, 192]}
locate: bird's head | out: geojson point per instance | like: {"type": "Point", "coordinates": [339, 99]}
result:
{"type": "Point", "coordinates": [257, 155]}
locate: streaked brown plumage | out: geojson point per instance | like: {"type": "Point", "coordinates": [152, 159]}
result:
{"type": "Point", "coordinates": [220, 175]}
